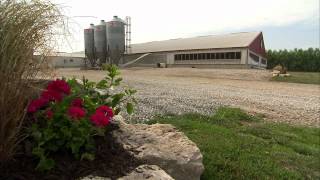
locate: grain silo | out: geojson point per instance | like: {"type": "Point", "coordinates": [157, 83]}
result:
{"type": "Point", "coordinates": [89, 48]}
{"type": "Point", "coordinates": [100, 42]}
{"type": "Point", "coordinates": [116, 39]}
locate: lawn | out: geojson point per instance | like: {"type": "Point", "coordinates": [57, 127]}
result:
{"type": "Point", "coordinates": [300, 77]}
{"type": "Point", "coordinates": [236, 145]}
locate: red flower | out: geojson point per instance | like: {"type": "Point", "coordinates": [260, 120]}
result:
{"type": "Point", "coordinates": [105, 110]}
{"type": "Point", "coordinates": [55, 91]}
{"type": "Point", "coordinates": [37, 104]}
{"type": "Point", "coordinates": [99, 119]}
{"type": "Point", "coordinates": [76, 112]}
{"type": "Point", "coordinates": [59, 86]}
{"type": "Point", "coordinates": [102, 116]}
{"type": "Point", "coordinates": [52, 95]}
{"type": "Point", "coordinates": [49, 113]}
{"type": "Point", "coordinates": [78, 102]}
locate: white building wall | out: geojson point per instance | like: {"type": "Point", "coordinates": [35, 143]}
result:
{"type": "Point", "coordinates": [170, 58]}
{"type": "Point", "coordinates": [66, 62]}
{"type": "Point", "coordinates": [244, 56]}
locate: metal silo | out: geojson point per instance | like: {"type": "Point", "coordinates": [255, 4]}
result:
{"type": "Point", "coordinates": [116, 39]}
{"type": "Point", "coordinates": [89, 44]}
{"type": "Point", "coordinates": [100, 42]}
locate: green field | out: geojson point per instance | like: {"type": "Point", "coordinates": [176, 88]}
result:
{"type": "Point", "coordinates": [300, 77]}
{"type": "Point", "coordinates": [236, 145]}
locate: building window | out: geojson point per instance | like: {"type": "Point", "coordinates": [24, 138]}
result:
{"type": "Point", "coordinates": [263, 61]}
{"type": "Point", "coordinates": [199, 56]}
{"type": "Point", "coordinates": [212, 56]}
{"type": "Point", "coordinates": [254, 57]}
{"type": "Point", "coordinates": [220, 55]}
{"type": "Point", "coordinates": [208, 56]}
{"type": "Point", "coordinates": [177, 57]}
{"type": "Point", "coordinates": [191, 56]}
{"type": "Point", "coordinates": [195, 56]}
{"type": "Point", "coordinates": [228, 55]}
{"type": "Point", "coordinates": [203, 56]}
{"type": "Point", "coordinates": [238, 55]}
{"type": "Point", "coordinates": [71, 60]}
{"type": "Point", "coordinates": [187, 56]}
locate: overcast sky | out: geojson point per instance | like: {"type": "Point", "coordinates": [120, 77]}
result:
{"type": "Point", "coordinates": [285, 23]}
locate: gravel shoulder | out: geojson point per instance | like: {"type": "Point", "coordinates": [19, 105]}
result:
{"type": "Point", "coordinates": [181, 90]}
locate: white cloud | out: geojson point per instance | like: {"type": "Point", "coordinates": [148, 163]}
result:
{"type": "Point", "coordinates": [165, 19]}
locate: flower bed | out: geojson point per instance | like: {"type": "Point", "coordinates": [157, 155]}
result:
{"type": "Point", "coordinates": [68, 128]}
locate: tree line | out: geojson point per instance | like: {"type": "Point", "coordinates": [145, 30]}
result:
{"type": "Point", "coordinates": [295, 60]}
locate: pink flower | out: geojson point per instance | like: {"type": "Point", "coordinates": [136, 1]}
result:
{"type": "Point", "coordinates": [78, 102]}
{"type": "Point", "coordinates": [102, 116]}
{"type": "Point", "coordinates": [76, 112]}
{"type": "Point", "coordinates": [59, 86]}
{"type": "Point", "coordinates": [49, 113]}
{"type": "Point", "coordinates": [36, 104]}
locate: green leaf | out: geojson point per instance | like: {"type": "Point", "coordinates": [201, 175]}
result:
{"type": "Point", "coordinates": [45, 164]}
{"type": "Point", "coordinates": [38, 151]}
{"type": "Point", "coordinates": [116, 99]}
{"type": "Point", "coordinates": [132, 91]}
{"type": "Point", "coordinates": [102, 84]}
{"type": "Point", "coordinates": [117, 81]}
{"type": "Point", "coordinates": [87, 156]}
{"type": "Point", "coordinates": [36, 135]}
{"type": "Point", "coordinates": [100, 131]}
{"type": "Point", "coordinates": [129, 108]}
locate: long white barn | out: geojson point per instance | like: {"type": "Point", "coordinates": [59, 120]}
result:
{"type": "Point", "coordinates": [237, 50]}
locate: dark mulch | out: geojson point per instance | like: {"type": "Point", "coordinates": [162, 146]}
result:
{"type": "Point", "coordinates": [111, 161]}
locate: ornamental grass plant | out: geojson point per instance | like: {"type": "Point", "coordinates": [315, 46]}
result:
{"type": "Point", "coordinates": [26, 28]}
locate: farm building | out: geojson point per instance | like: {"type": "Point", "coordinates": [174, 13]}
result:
{"type": "Point", "coordinates": [67, 60]}
{"type": "Point", "coordinates": [237, 50]}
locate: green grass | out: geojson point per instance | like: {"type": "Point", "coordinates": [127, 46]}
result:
{"type": "Point", "coordinates": [236, 145]}
{"type": "Point", "coordinates": [300, 77]}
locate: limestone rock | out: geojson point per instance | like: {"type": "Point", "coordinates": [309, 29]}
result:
{"type": "Point", "coordinates": [143, 172]}
{"type": "Point", "coordinates": [162, 145]}
{"type": "Point", "coordinates": [94, 178]}
{"type": "Point", "coordinates": [151, 172]}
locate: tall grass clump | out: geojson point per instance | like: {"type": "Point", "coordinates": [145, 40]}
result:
{"type": "Point", "coordinates": [26, 29]}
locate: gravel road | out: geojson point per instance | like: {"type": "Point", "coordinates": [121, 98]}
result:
{"type": "Point", "coordinates": [180, 90]}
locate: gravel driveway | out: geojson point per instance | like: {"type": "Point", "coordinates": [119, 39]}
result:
{"type": "Point", "coordinates": [180, 90]}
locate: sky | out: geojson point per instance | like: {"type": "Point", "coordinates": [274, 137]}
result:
{"type": "Point", "coordinates": [285, 23]}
